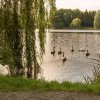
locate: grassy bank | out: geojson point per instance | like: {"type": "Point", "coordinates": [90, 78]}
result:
{"type": "Point", "coordinates": [19, 84]}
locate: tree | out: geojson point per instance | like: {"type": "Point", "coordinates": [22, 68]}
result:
{"type": "Point", "coordinates": [20, 18]}
{"type": "Point", "coordinates": [76, 23]}
{"type": "Point", "coordinates": [68, 17]}
{"type": "Point", "coordinates": [59, 19]}
{"type": "Point", "coordinates": [97, 20]}
{"type": "Point", "coordinates": [63, 17]}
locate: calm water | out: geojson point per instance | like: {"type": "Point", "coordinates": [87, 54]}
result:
{"type": "Point", "coordinates": [77, 64]}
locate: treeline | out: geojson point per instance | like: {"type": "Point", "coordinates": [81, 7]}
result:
{"type": "Point", "coordinates": [64, 17]}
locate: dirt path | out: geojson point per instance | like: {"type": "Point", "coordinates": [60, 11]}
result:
{"type": "Point", "coordinates": [51, 95]}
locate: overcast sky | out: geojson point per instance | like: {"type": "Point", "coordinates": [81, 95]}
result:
{"type": "Point", "coordinates": [80, 4]}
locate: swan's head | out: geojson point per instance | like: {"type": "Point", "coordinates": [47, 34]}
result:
{"type": "Point", "coordinates": [6, 66]}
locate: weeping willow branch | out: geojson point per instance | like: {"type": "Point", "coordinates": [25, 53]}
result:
{"type": "Point", "coordinates": [41, 26]}
{"type": "Point", "coordinates": [20, 20]}
{"type": "Point", "coordinates": [30, 39]}
{"type": "Point", "coordinates": [1, 22]}
{"type": "Point", "coordinates": [12, 31]}
{"type": "Point", "coordinates": [17, 43]}
{"type": "Point", "coordinates": [52, 10]}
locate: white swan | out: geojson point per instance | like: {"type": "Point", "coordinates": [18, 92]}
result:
{"type": "Point", "coordinates": [82, 50]}
{"type": "Point", "coordinates": [4, 70]}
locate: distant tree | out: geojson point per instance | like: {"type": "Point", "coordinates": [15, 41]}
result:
{"type": "Point", "coordinates": [68, 17]}
{"type": "Point", "coordinates": [76, 23]}
{"type": "Point", "coordinates": [77, 13]}
{"type": "Point", "coordinates": [63, 18]}
{"type": "Point", "coordinates": [85, 18]}
{"type": "Point", "coordinates": [59, 19]}
{"type": "Point", "coordinates": [88, 18]}
{"type": "Point", "coordinates": [97, 20]}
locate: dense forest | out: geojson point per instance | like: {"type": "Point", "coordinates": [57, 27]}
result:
{"type": "Point", "coordinates": [64, 17]}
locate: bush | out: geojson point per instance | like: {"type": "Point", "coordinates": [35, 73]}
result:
{"type": "Point", "coordinates": [76, 23]}
{"type": "Point", "coordinates": [97, 20]}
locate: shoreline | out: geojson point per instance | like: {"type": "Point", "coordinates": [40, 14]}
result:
{"type": "Point", "coordinates": [73, 31]}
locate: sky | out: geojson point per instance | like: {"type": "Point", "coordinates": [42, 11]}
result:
{"type": "Point", "coordinates": [80, 4]}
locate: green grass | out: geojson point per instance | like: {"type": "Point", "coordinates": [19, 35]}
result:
{"type": "Point", "coordinates": [19, 84]}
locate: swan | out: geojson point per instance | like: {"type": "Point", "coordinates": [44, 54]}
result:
{"type": "Point", "coordinates": [53, 52]}
{"type": "Point", "coordinates": [59, 52]}
{"type": "Point", "coordinates": [87, 53]}
{"type": "Point", "coordinates": [64, 58]}
{"type": "Point", "coordinates": [4, 70]}
{"type": "Point", "coordinates": [82, 50]}
{"type": "Point", "coordinates": [72, 50]}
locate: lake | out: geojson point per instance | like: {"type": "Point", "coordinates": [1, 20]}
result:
{"type": "Point", "coordinates": [77, 64]}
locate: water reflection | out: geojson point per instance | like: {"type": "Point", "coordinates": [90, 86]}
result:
{"type": "Point", "coordinates": [77, 64]}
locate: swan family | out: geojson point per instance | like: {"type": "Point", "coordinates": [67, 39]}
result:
{"type": "Point", "coordinates": [60, 52]}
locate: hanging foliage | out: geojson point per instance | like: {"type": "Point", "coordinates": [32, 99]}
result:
{"type": "Point", "coordinates": [41, 26]}
{"type": "Point", "coordinates": [52, 10]}
{"type": "Point", "coordinates": [20, 20]}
